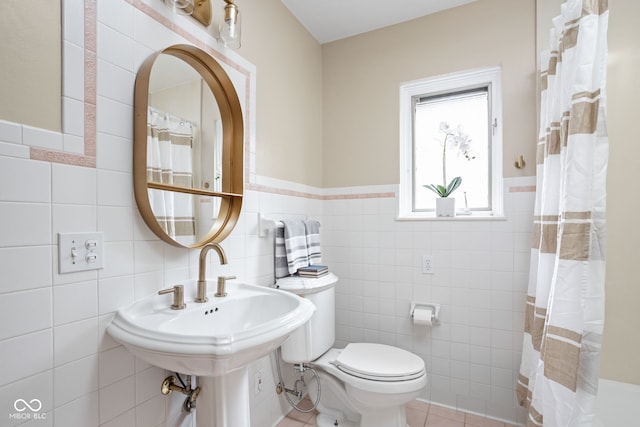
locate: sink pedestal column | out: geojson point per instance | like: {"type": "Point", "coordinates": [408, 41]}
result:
{"type": "Point", "coordinates": [224, 400]}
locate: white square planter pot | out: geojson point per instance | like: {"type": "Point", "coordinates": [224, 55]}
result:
{"type": "Point", "coordinates": [445, 206]}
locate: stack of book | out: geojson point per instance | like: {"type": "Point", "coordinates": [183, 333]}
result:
{"type": "Point", "coordinates": [313, 271]}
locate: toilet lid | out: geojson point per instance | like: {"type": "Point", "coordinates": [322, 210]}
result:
{"type": "Point", "coordinates": [380, 362]}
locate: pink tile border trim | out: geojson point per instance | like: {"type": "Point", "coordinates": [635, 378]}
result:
{"type": "Point", "coordinates": [90, 76]}
{"type": "Point", "coordinates": [360, 196]}
{"type": "Point", "coordinates": [523, 189]}
{"type": "Point", "coordinates": [306, 195]}
{"type": "Point", "coordinates": [62, 157]}
{"type": "Point", "coordinates": [293, 193]}
{"type": "Point", "coordinates": [352, 196]}
{"type": "Point", "coordinates": [274, 190]}
{"type": "Point", "coordinates": [88, 159]}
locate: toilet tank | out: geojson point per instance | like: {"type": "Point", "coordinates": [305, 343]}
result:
{"type": "Point", "coordinates": [315, 337]}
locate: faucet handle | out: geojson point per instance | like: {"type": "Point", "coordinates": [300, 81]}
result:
{"type": "Point", "coordinates": [222, 282]}
{"type": "Point", "coordinates": [178, 296]}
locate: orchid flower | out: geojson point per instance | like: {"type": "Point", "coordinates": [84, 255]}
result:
{"type": "Point", "coordinates": [462, 143]}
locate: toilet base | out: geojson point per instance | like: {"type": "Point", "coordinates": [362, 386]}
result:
{"type": "Point", "coordinates": [337, 407]}
{"type": "Point", "coordinates": [324, 420]}
{"type": "Point", "coordinates": [390, 417]}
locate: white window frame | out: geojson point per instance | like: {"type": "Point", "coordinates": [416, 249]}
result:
{"type": "Point", "coordinates": [490, 76]}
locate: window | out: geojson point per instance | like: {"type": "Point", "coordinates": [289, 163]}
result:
{"type": "Point", "coordinates": [469, 103]}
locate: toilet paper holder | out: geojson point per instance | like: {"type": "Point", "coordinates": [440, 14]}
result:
{"type": "Point", "coordinates": [435, 307]}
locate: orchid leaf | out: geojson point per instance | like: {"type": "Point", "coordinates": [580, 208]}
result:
{"type": "Point", "coordinates": [455, 183]}
{"type": "Point", "coordinates": [434, 189]}
{"type": "Point", "coordinates": [443, 191]}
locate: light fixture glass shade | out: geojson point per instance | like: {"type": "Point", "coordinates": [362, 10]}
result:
{"type": "Point", "coordinates": [230, 28]}
{"type": "Point", "coordinates": [182, 7]}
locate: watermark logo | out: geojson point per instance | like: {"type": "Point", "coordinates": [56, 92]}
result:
{"type": "Point", "coordinates": [27, 410]}
{"type": "Point", "coordinates": [21, 405]}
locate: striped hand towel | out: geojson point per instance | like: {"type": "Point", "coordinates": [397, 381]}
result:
{"type": "Point", "coordinates": [295, 243]}
{"type": "Point", "coordinates": [313, 241]}
{"type": "Point", "coordinates": [281, 265]}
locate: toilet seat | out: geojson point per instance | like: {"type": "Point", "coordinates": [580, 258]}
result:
{"type": "Point", "coordinates": [379, 362]}
{"type": "Point", "coordinates": [375, 391]}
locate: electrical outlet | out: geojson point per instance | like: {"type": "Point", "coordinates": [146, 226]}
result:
{"type": "Point", "coordinates": [257, 382]}
{"type": "Point", "coordinates": [427, 264]}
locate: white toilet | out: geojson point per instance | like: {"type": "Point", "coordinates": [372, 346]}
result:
{"type": "Point", "coordinates": [362, 385]}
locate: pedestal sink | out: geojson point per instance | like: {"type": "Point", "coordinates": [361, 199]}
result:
{"type": "Point", "coordinates": [215, 340]}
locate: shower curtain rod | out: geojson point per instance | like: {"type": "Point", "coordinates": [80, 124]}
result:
{"type": "Point", "coordinates": [172, 116]}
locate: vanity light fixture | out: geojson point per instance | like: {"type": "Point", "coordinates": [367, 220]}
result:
{"type": "Point", "coordinates": [200, 10]}
{"type": "Point", "coordinates": [229, 32]}
{"type": "Point", "coordinates": [181, 7]}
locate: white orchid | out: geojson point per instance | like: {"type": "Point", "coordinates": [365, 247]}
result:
{"type": "Point", "coordinates": [444, 127]}
{"type": "Point", "coordinates": [460, 140]}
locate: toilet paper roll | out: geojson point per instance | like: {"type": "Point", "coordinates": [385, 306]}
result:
{"type": "Point", "coordinates": [422, 316]}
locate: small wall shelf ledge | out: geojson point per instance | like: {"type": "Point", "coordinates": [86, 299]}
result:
{"type": "Point", "coordinates": [266, 224]}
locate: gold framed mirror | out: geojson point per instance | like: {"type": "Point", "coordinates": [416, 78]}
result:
{"type": "Point", "coordinates": [188, 147]}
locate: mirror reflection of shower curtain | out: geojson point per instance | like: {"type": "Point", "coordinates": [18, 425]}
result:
{"type": "Point", "coordinates": [210, 162]}
{"type": "Point", "coordinates": [217, 161]}
{"type": "Point", "coordinates": [169, 161]}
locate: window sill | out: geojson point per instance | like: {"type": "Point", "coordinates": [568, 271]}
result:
{"type": "Point", "coordinates": [476, 216]}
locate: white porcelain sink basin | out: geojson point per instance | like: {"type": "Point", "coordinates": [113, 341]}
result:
{"type": "Point", "coordinates": [212, 338]}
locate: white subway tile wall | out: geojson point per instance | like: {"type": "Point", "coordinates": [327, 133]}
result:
{"type": "Point", "coordinates": [43, 138]}
{"type": "Point", "coordinates": [72, 120]}
{"type": "Point", "coordinates": [480, 278]}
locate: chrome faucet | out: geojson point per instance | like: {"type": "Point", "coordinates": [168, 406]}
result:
{"type": "Point", "coordinates": [201, 295]}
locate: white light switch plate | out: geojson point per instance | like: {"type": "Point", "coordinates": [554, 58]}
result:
{"type": "Point", "coordinates": [80, 252]}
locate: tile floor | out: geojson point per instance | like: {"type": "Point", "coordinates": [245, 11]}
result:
{"type": "Point", "coordinates": [419, 414]}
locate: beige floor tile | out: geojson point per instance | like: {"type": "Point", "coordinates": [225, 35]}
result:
{"type": "Point", "coordinates": [288, 422]}
{"type": "Point", "coordinates": [419, 405]}
{"type": "Point", "coordinates": [478, 421]}
{"type": "Point", "coordinates": [419, 414]}
{"type": "Point", "coordinates": [312, 421]}
{"type": "Point", "coordinates": [434, 420]}
{"type": "Point", "coordinates": [416, 418]}
{"type": "Point", "coordinates": [300, 416]}
{"type": "Point", "coordinates": [451, 414]}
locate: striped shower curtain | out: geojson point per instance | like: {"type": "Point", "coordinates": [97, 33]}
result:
{"type": "Point", "coordinates": [565, 299]}
{"type": "Point", "coordinates": [169, 161]}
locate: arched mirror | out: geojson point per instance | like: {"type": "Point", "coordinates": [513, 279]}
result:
{"type": "Point", "coordinates": [188, 147]}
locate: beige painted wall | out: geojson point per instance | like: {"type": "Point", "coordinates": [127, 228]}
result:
{"type": "Point", "coordinates": [621, 347]}
{"type": "Point", "coordinates": [546, 10]}
{"type": "Point", "coordinates": [289, 84]}
{"type": "Point", "coordinates": [30, 58]}
{"type": "Point", "coordinates": [362, 75]}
